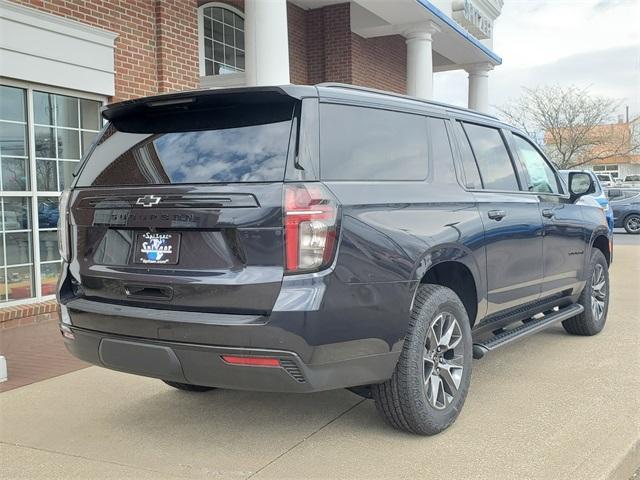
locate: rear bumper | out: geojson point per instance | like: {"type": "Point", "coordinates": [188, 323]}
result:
{"type": "Point", "coordinates": [203, 364]}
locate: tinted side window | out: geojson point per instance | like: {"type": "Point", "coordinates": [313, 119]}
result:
{"type": "Point", "coordinates": [440, 146]}
{"type": "Point", "coordinates": [492, 156]}
{"type": "Point", "coordinates": [542, 178]}
{"type": "Point", "coordinates": [469, 166]}
{"type": "Point", "coordinates": [358, 143]}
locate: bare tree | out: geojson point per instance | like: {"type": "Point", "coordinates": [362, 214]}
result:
{"type": "Point", "coordinates": [573, 126]}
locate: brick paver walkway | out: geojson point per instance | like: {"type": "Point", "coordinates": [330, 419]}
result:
{"type": "Point", "coordinates": [35, 352]}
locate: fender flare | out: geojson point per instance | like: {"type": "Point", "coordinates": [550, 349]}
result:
{"type": "Point", "coordinates": [451, 252]}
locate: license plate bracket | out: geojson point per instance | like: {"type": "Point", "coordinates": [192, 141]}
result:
{"type": "Point", "coordinates": [157, 248]}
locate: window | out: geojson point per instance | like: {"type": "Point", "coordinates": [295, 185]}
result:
{"type": "Point", "coordinates": [492, 157]}
{"type": "Point", "coordinates": [469, 166]}
{"type": "Point", "coordinates": [610, 169]}
{"type": "Point", "coordinates": [221, 40]}
{"type": "Point", "coordinates": [541, 175]}
{"type": "Point", "coordinates": [376, 145]}
{"type": "Point", "coordinates": [250, 153]}
{"type": "Point", "coordinates": [42, 138]}
{"type": "Point", "coordinates": [440, 146]}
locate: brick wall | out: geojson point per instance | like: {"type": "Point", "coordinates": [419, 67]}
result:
{"type": "Point", "coordinates": [141, 67]}
{"type": "Point", "coordinates": [177, 45]}
{"type": "Point", "coordinates": [157, 45]}
{"type": "Point", "coordinates": [380, 62]}
{"type": "Point", "coordinates": [297, 26]}
{"type": "Point", "coordinates": [29, 314]}
{"type": "Point", "coordinates": [335, 54]}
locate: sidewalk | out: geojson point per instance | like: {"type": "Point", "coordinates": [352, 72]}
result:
{"type": "Point", "coordinates": [35, 352]}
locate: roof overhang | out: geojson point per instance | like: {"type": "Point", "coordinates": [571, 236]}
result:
{"type": "Point", "coordinates": [453, 46]}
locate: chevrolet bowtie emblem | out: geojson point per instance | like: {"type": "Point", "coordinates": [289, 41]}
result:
{"type": "Point", "coordinates": [148, 201]}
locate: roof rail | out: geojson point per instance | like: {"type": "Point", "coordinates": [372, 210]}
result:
{"type": "Point", "coordinates": [405, 97]}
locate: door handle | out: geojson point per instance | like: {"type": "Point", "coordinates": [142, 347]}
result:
{"type": "Point", "coordinates": [496, 214]}
{"type": "Point", "coordinates": [547, 212]}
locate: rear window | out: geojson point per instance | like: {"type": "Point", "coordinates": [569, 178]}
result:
{"type": "Point", "coordinates": [359, 143]}
{"type": "Point", "coordinates": [208, 152]}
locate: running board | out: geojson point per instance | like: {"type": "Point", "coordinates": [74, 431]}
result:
{"type": "Point", "coordinates": [529, 328]}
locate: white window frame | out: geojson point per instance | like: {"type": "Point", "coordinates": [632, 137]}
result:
{"type": "Point", "coordinates": [33, 192]}
{"type": "Point", "coordinates": [217, 81]}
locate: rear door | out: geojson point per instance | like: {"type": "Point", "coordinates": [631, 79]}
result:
{"type": "Point", "coordinates": [511, 217]}
{"type": "Point", "coordinates": [182, 207]}
{"type": "Point", "coordinates": [565, 236]}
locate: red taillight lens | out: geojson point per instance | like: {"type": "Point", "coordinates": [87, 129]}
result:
{"type": "Point", "coordinates": [310, 227]}
{"type": "Point", "coordinates": [251, 361]}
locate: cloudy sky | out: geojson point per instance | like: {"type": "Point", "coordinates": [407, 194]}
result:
{"type": "Point", "coordinates": [594, 43]}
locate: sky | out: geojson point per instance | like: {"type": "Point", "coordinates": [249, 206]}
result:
{"type": "Point", "coordinates": [588, 43]}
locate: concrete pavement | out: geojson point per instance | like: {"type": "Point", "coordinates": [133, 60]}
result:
{"type": "Point", "coordinates": [553, 406]}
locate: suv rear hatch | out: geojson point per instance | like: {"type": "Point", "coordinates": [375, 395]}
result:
{"type": "Point", "coordinates": [179, 204]}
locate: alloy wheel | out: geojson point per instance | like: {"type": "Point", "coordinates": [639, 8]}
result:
{"type": "Point", "coordinates": [633, 224]}
{"type": "Point", "coordinates": [443, 360]}
{"type": "Point", "coordinates": [598, 292]}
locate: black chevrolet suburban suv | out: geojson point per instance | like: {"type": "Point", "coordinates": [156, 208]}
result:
{"type": "Point", "coordinates": [306, 238]}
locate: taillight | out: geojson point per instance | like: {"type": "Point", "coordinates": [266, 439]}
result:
{"type": "Point", "coordinates": [63, 226]}
{"type": "Point", "coordinates": [310, 227]}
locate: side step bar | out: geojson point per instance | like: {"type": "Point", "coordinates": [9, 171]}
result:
{"type": "Point", "coordinates": [529, 328]}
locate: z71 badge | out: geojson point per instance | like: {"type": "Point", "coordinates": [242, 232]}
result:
{"type": "Point", "coordinates": [157, 248]}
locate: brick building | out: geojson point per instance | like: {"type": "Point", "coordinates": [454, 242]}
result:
{"type": "Point", "coordinates": [60, 60]}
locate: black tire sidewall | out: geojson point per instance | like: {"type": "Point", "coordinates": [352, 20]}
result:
{"type": "Point", "coordinates": [430, 417]}
{"type": "Point", "coordinates": [593, 324]}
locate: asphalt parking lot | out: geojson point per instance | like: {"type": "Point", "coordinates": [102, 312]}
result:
{"type": "Point", "coordinates": [553, 406]}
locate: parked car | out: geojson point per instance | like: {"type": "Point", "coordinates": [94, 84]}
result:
{"type": "Point", "coordinates": [598, 195]}
{"type": "Point", "coordinates": [301, 238]}
{"type": "Point", "coordinates": [625, 205]}
{"type": "Point", "coordinates": [606, 179]}
{"type": "Point", "coordinates": [632, 181]}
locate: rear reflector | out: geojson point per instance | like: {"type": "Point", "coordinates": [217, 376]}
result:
{"type": "Point", "coordinates": [251, 361]}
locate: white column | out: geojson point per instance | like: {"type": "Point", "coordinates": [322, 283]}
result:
{"type": "Point", "coordinates": [479, 86]}
{"type": "Point", "coordinates": [420, 60]}
{"type": "Point", "coordinates": [266, 42]}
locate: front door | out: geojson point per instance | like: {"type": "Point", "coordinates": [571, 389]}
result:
{"type": "Point", "coordinates": [564, 237]}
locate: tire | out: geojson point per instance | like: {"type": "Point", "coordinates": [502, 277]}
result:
{"type": "Point", "coordinates": [406, 401]}
{"type": "Point", "coordinates": [594, 298]}
{"type": "Point", "coordinates": [188, 387]}
{"type": "Point", "coordinates": [632, 224]}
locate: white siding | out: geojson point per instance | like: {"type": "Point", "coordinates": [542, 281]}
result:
{"type": "Point", "coordinates": [43, 48]}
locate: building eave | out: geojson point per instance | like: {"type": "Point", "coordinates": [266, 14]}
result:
{"type": "Point", "coordinates": [457, 28]}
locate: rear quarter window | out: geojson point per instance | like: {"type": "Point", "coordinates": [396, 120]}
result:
{"type": "Point", "coordinates": [359, 143]}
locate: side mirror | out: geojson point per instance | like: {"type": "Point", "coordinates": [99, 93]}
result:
{"type": "Point", "coordinates": [580, 184]}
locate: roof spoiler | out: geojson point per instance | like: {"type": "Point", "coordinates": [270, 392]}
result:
{"type": "Point", "coordinates": [203, 99]}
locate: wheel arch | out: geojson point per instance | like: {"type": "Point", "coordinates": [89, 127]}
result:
{"type": "Point", "coordinates": [454, 267]}
{"type": "Point", "coordinates": [601, 242]}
